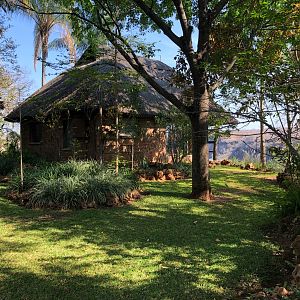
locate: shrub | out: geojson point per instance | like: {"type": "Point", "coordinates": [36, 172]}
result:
{"type": "Point", "coordinates": [236, 162]}
{"type": "Point", "coordinates": [185, 168]}
{"type": "Point", "coordinates": [291, 203]}
{"type": "Point", "coordinates": [273, 165]}
{"type": "Point", "coordinates": [7, 163]}
{"type": "Point", "coordinates": [10, 160]}
{"type": "Point", "coordinates": [74, 184]}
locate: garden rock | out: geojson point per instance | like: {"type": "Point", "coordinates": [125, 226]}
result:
{"type": "Point", "coordinates": [225, 162]}
{"type": "Point", "coordinates": [169, 171]}
{"type": "Point", "coordinates": [249, 166]}
{"type": "Point", "coordinates": [170, 177]}
{"type": "Point", "coordinates": [159, 175]}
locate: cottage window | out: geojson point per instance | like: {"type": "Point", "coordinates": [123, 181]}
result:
{"type": "Point", "coordinates": [35, 132]}
{"type": "Point", "coordinates": [66, 134]}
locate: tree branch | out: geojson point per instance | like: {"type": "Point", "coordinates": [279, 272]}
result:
{"type": "Point", "coordinates": [135, 63]}
{"type": "Point", "coordinates": [184, 22]}
{"type": "Point", "coordinates": [218, 83]}
{"type": "Point", "coordinates": [217, 9]}
{"type": "Point", "coordinates": [159, 22]}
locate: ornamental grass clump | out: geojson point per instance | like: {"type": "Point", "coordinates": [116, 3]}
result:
{"type": "Point", "coordinates": [74, 184]}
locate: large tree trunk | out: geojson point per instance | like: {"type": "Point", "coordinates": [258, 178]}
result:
{"type": "Point", "coordinates": [200, 172]}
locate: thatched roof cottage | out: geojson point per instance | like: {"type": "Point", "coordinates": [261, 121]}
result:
{"type": "Point", "coordinates": [75, 114]}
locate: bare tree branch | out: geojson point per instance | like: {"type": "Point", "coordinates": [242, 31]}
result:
{"type": "Point", "coordinates": [219, 82]}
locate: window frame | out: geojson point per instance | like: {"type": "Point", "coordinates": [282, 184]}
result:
{"type": "Point", "coordinates": [35, 133]}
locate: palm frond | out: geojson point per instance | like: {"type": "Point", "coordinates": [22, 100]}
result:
{"type": "Point", "coordinates": [44, 25]}
{"type": "Point", "coordinates": [67, 40]}
{"type": "Point", "coordinates": [57, 44]}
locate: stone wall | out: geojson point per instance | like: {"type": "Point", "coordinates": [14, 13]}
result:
{"type": "Point", "coordinates": [86, 141]}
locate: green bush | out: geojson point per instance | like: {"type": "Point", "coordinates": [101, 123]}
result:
{"type": "Point", "coordinates": [7, 163]}
{"type": "Point", "coordinates": [185, 168]}
{"type": "Point", "coordinates": [74, 184]}
{"type": "Point", "coordinates": [236, 162]}
{"type": "Point", "coordinates": [10, 160]}
{"type": "Point", "coordinates": [291, 203]}
{"type": "Point", "coordinates": [272, 165]}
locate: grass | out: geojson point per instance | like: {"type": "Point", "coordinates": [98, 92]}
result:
{"type": "Point", "coordinates": [162, 247]}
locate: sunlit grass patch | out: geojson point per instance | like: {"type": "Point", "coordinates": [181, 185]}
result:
{"type": "Point", "coordinates": [165, 246]}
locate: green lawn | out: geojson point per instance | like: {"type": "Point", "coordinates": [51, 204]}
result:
{"type": "Point", "coordinates": [164, 246]}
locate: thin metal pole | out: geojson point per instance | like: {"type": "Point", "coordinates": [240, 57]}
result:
{"type": "Point", "coordinates": [101, 135]}
{"type": "Point", "coordinates": [117, 141]}
{"type": "Point", "coordinates": [21, 146]}
{"type": "Point", "coordinates": [132, 155]}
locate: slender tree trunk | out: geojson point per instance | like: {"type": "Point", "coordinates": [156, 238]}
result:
{"type": "Point", "coordinates": [215, 146]}
{"type": "Point", "coordinates": [200, 152]}
{"type": "Point", "coordinates": [262, 135]}
{"type": "Point", "coordinates": [44, 58]}
{"type": "Point", "coordinates": [289, 134]}
{"type": "Point", "coordinates": [43, 72]}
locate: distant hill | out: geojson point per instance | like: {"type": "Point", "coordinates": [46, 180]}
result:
{"type": "Point", "coordinates": [243, 142]}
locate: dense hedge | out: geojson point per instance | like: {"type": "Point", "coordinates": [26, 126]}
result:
{"type": "Point", "coordinates": [73, 184]}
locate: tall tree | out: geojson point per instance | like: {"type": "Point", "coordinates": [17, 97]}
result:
{"type": "Point", "coordinates": [214, 35]}
{"type": "Point", "coordinates": [44, 26]}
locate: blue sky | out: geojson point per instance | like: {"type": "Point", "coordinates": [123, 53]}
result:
{"type": "Point", "coordinates": [22, 32]}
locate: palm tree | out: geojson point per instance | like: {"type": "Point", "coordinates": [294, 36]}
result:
{"type": "Point", "coordinates": [44, 26]}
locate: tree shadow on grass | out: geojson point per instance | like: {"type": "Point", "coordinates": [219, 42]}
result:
{"type": "Point", "coordinates": [160, 248]}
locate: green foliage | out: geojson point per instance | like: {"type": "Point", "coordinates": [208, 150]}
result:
{"type": "Point", "coordinates": [291, 204]}
{"type": "Point", "coordinates": [290, 159]}
{"type": "Point", "coordinates": [272, 165]}
{"type": "Point", "coordinates": [178, 133]}
{"type": "Point", "coordinates": [235, 161]}
{"type": "Point", "coordinates": [7, 163]}
{"type": "Point", "coordinates": [74, 184]}
{"type": "Point", "coordinates": [10, 159]}
{"type": "Point", "coordinates": [185, 168]}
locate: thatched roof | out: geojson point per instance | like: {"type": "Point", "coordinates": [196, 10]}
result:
{"type": "Point", "coordinates": [103, 78]}
{"type": "Point", "coordinates": [79, 87]}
